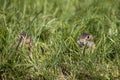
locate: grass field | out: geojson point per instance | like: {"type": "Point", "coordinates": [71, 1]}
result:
{"type": "Point", "coordinates": [55, 27]}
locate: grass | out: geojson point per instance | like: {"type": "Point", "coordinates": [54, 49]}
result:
{"type": "Point", "coordinates": [54, 27]}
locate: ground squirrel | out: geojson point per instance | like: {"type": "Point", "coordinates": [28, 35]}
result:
{"type": "Point", "coordinates": [86, 40]}
{"type": "Point", "coordinates": [24, 38]}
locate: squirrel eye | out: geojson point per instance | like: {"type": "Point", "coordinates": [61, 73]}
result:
{"type": "Point", "coordinates": [88, 37]}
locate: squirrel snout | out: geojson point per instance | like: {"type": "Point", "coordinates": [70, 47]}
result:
{"type": "Point", "coordinates": [80, 43]}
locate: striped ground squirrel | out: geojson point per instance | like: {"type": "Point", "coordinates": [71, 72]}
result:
{"type": "Point", "coordinates": [24, 39]}
{"type": "Point", "coordinates": [86, 40]}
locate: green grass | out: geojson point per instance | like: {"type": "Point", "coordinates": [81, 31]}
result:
{"type": "Point", "coordinates": [54, 27]}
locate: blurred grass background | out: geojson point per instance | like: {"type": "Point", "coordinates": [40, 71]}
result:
{"type": "Point", "coordinates": [55, 27]}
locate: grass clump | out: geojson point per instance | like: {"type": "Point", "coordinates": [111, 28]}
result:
{"type": "Point", "coordinates": [54, 27]}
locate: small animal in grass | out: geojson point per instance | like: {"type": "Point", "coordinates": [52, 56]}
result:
{"type": "Point", "coordinates": [25, 39]}
{"type": "Point", "coordinates": [86, 40]}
